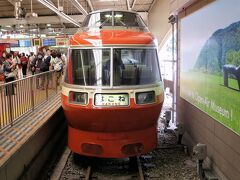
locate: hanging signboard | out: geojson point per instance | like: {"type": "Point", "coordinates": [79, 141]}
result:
{"type": "Point", "coordinates": [49, 42]}
{"type": "Point", "coordinates": [25, 42]}
{"type": "Point", "coordinates": [37, 42]}
{"type": "Point", "coordinates": [61, 41]}
{"type": "Point", "coordinates": [14, 44]}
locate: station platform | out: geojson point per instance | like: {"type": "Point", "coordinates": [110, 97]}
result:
{"type": "Point", "coordinates": [27, 142]}
{"type": "Point", "coordinates": [12, 138]}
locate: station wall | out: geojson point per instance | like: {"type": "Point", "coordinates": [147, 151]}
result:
{"type": "Point", "coordinates": [158, 16]}
{"type": "Point", "coordinates": [158, 19]}
{"type": "Point", "coordinates": [216, 127]}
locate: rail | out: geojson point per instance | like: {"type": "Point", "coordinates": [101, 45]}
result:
{"type": "Point", "coordinates": [134, 163]}
{"type": "Point", "coordinates": [21, 96]}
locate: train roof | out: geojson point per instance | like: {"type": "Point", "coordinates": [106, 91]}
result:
{"type": "Point", "coordinates": [105, 37]}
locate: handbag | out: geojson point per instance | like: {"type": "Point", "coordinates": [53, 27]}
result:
{"type": "Point", "coordinates": [2, 77]}
{"type": "Point", "coordinates": [11, 74]}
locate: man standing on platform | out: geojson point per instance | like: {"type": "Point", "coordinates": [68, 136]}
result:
{"type": "Point", "coordinates": [24, 63]}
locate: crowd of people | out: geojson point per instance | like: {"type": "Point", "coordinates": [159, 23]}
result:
{"type": "Point", "coordinates": [14, 65]}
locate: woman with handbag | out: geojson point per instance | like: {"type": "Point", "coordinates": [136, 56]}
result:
{"type": "Point", "coordinates": [8, 68]}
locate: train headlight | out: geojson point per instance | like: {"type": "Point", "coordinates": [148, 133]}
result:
{"type": "Point", "coordinates": [145, 97]}
{"type": "Point", "coordinates": [78, 97]}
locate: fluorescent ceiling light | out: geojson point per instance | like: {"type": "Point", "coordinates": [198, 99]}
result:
{"type": "Point", "coordinates": [21, 26]}
{"type": "Point", "coordinates": [108, 15]}
{"type": "Point", "coordinates": [33, 30]}
{"type": "Point", "coordinates": [8, 26]}
{"type": "Point", "coordinates": [48, 25]}
{"type": "Point", "coordinates": [61, 14]}
{"type": "Point", "coordinates": [118, 15]}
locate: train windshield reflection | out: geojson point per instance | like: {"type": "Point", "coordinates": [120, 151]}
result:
{"type": "Point", "coordinates": [135, 67]}
{"type": "Point", "coordinates": [91, 67]}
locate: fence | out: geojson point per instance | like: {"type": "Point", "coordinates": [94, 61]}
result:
{"type": "Point", "coordinates": [24, 95]}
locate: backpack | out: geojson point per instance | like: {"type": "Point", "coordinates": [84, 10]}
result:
{"type": "Point", "coordinates": [44, 66]}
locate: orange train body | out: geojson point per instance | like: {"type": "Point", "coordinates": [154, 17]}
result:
{"type": "Point", "coordinates": [112, 117]}
{"type": "Point", "coordinates": [112, 37]}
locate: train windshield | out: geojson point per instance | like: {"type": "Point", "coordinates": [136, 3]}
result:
{"type": "Point", "coordinates": [135, 67]}
{"type": "Point", "coordinates": [113, 18]}
{"type": "Point", "coordinates": [91, 67]}
{"type": "Point", "coordinates": [98, 19]}
{"type": "Point", "coordinates": [127, 19]}
{"type": "Point", "coordinates": [130, 67]}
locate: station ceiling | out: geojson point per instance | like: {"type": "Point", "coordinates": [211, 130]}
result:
{"type": "Point", "coordinates": [8, 21]}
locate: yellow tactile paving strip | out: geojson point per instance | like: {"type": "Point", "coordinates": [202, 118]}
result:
{"type": "Point", "coordinates": [14, 137]}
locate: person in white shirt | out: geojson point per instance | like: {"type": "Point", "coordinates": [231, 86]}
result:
{"type": "Point", "coordinates": [57, 65]}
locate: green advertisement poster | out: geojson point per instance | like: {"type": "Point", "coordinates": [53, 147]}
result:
{"type": "Point", "coordinates": [210, 61]}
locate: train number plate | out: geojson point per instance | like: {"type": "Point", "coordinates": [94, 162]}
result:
{"type": "Point", "coordinates": [111, 100]}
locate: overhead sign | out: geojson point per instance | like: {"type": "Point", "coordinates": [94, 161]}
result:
{"type": "Point", "coordinates": [49, 42]}
{"type": "Point", "coordinates": [61, 41]}
{"type": "Point", "coordinates": [25, 43]}
{"type": "Point", "coordinates": [37, 42]}
{"type": "Point", "coordinates": [8, 41]}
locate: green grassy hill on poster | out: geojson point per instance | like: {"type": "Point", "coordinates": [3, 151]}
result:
{"type": "Point", "coordinates": [223, 47]}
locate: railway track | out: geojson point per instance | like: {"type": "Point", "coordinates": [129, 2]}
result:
{"type": "Point", "coordinates": [88, 173]}
{"type": "Point", "coordinates": [135, 164]}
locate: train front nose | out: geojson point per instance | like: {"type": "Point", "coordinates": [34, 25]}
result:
{"type": "Point", "coordinates": [112, 145]}
{"type": "Point", "coordinates": [111, 119]}
{"type": "Point", "coordinates": [114, 132]}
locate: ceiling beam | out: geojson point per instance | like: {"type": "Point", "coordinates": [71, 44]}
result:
{"type": "Point", "coordinates": [134, 2]}
{"type": "Point", "coordinates": [66, 31]}
{"type": "Point", "coordinates": [12, 2]}
{"type": "Point", "coordinates": [79, 7]}
{"type": "Point", "coordinates": [128, 5]}
{"type": "Point", "coordinates": [151, 5]}
{"type": "Point", "coordinates": [90, 5]}
{"type": "Point", "coordinates": [40, 20]}
{"type": "Point", "coordinates": [60, 13]}
{"type": "Point", "coordinates": [60, 19]}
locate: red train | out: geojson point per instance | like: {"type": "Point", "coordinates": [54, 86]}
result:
{"type": "Point", "coordinates": [113, 92]}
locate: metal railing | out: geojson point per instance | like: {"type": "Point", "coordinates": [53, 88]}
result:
{"type": "Point", "coordinates": [24, 95]}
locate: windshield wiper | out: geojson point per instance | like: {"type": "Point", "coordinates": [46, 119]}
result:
{"type": "Point", "coordinates": [101, 25]}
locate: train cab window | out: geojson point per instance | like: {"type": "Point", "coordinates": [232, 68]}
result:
{"type": "Point", "coordinates": [135, 67]}
{"type": "Point", "coordinates": [91, 67]}
{"type": "Point", "coordinates": [99, 19]}
{"type": "Point", "coordinates": [113, 18]}
{"type": "Point", "coordinates": [127, 19]}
